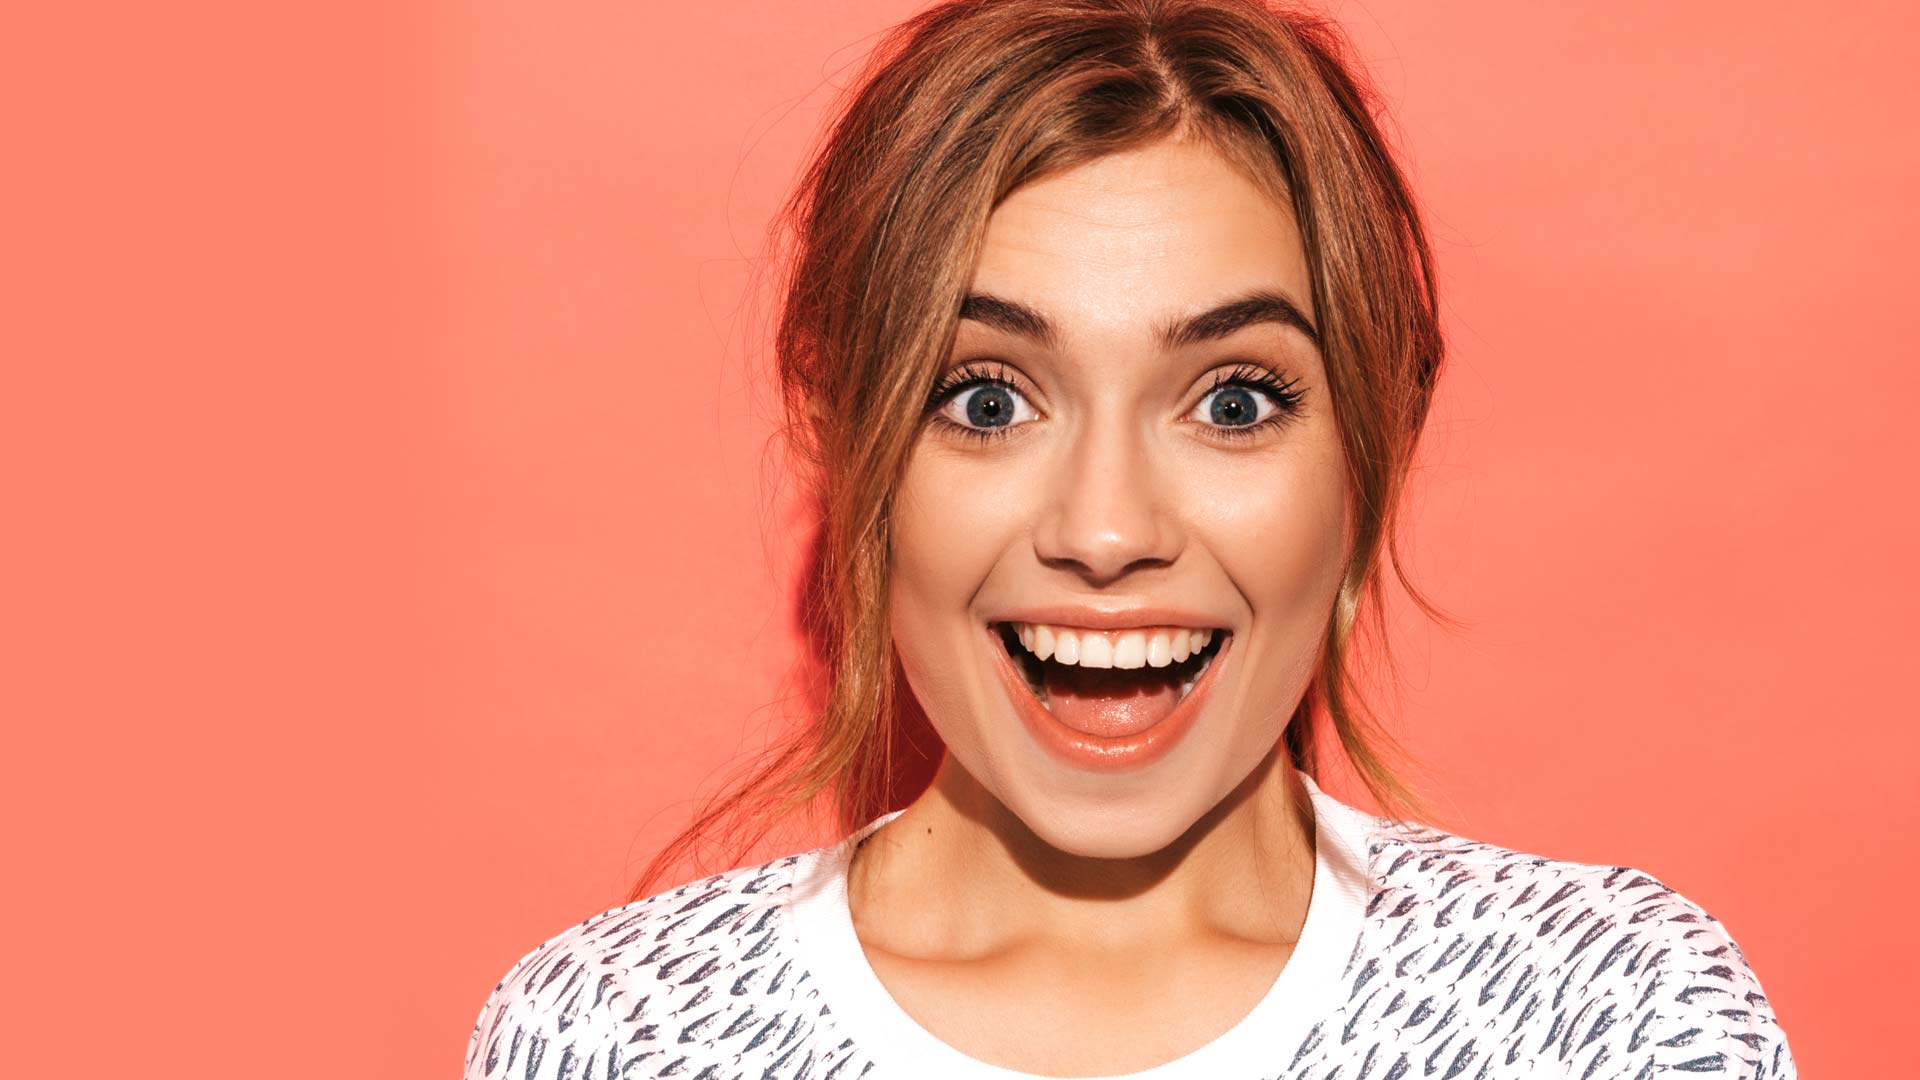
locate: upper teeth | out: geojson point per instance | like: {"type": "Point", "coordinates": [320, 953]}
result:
{"type": "Point", "coordinates": [1155, 646]}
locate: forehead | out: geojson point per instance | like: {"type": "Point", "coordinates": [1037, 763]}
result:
{"type": "Point", "coordinates": [1121, 242]}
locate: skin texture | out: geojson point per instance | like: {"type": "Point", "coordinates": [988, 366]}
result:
{"type": "Point", "coordinates": [1016, 883]}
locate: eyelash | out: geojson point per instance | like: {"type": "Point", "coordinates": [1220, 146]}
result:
{"type": "Point", "coordinates": [963, 378]}
{"type": "Point", "coordinates": [1287, 400]}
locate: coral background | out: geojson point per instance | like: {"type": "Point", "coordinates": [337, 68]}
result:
{"type": "Point", "coordinates": [395, 557]}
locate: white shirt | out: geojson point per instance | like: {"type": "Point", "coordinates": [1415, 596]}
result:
{"type": "Point", "coordinates": [1424, 954]}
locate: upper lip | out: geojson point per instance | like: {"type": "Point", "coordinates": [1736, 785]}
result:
{"type": "Point", "coordinates": [1128, 617]}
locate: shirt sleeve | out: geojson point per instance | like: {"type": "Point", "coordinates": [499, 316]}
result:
{"type": "Point", "coordinates": [1707, 1011]}
{"type": "Point", "coordinates": [550, 1018]}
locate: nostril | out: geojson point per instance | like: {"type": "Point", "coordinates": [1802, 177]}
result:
{"type": "Point", "coordinates": [1104, 537]}
{"type": "Point", "coordinates": [1103, 572]}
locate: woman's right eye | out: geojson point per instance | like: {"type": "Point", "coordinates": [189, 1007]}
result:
{"type": "Point", "coordinates": [986, 408]}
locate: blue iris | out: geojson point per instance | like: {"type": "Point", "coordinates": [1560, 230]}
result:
{"type": "Point", "coordinates": [1234, 406]}
{"type": "Point", "coordinates": [990, 406]}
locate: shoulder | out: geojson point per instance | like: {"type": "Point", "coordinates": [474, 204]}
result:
{"type": "Point", "coordinates": [1605, 963]}
{"type": "Point", "coordinates": [592, 999]}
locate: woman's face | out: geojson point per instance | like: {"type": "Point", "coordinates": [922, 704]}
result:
{"type": "Point", "coordinates": [1132, 455]}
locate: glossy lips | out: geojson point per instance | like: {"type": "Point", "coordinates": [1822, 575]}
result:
{"type": "Point", "coordinates": [1080, 749]}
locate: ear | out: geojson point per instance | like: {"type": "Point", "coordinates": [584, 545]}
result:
{"type": "Point", "coordinates": [816, 411]}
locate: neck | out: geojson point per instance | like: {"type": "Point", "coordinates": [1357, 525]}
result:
{"type": "Point", "coordinates": [959, 874]}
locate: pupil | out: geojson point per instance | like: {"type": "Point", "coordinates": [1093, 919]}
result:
{"type": "Point", "coordinates": [1233, 406]}
{"type": "Point", "coordinates": [991, 406]}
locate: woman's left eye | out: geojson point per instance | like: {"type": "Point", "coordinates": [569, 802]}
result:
{"type": "Point", "coordinates": [1233, 404]}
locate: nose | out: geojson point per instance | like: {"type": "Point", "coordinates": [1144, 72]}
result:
{"type": "Point", "coordinates": [1107, 514]}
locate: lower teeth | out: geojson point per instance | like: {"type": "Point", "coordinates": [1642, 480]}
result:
{"type": "Point", "coordinates": [1187, 686]}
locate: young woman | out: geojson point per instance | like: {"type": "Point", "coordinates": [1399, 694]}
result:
{"type": "Point", "coordinates": [1109, 334]}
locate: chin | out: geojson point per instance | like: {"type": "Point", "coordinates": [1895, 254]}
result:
{"type": "Point", "coordinates": [1127, 828]}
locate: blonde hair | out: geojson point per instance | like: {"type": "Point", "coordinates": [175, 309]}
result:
{"type": "Point", "coordinates": [959, 106]}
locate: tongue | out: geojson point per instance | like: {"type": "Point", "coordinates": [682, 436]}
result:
{"type": "Point", "coordinates": [1110, 702]}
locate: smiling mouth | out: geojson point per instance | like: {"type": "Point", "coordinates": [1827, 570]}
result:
{"type": "Point", "coordinates": [1110, 683]}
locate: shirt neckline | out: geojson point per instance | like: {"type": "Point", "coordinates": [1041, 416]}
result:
{"type": "Point", "coordinates": [827, 947]}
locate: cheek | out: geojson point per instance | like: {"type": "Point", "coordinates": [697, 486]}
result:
{"type": "Point", "coordinates": [952, 520]}
{"type": "Point", "coordinates": [1278, 526]}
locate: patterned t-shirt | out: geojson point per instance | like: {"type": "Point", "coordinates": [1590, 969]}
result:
{"type": "Point", "coordinates": [1424, 955]}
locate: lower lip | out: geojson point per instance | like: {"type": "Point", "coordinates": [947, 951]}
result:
{"type": "Point", "coordinates": [1093, 752]}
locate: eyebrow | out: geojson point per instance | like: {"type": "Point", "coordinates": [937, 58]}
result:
{"type": "Point", "coordinates": [1260, 306]}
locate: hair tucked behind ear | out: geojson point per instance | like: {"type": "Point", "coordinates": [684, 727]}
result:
{"type": "Point", "coordinates": [960, 105]}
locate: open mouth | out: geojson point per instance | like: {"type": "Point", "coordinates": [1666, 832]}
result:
{"type": "Point", "coordinates": [1110, 683]}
